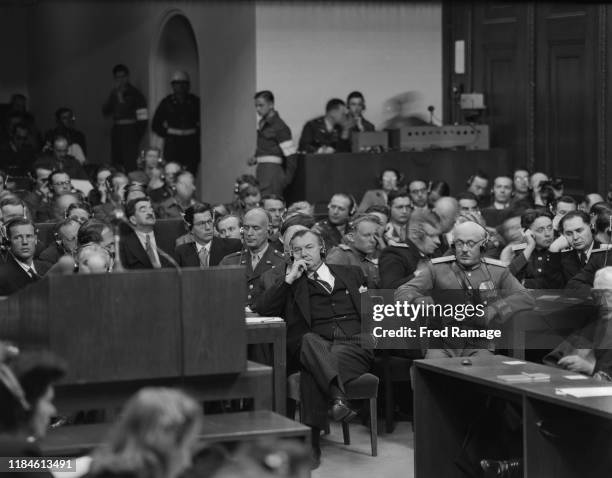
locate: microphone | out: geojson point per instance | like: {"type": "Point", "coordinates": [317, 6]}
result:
{"type": "Point", "coordinates": [431, 109]}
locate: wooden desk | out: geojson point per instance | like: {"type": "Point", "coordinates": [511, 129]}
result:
{"type": "Point", "coordinates": [273, 333]}
{"type": "Point", "coordinates": [223, 427]}
{"type": "Point", "coordinates": [441, 419]}
{"type": "Point", "coordinates": [255, 382]}
{"type": "Point", "coordinates": [354, 173]}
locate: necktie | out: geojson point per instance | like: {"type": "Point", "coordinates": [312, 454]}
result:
{"type": "Point", "coordinates": [326, 285]}
{"type": "Point", "coordinates": [151, 253]}
{"type": "Point", "coordinates": [583, 258]}
{"type": "Point", "coordinates": [254, 261]}
{"type": "Point", "coordinates": [32, 273]}
{"type": "Point", "coordinates": [203, 255]}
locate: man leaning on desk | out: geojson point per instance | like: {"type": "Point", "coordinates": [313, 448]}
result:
{"type": "Point", "coordinates": [484, 281]}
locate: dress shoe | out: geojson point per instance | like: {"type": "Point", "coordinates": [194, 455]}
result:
{"type": "Point", "coordinates": [315, 458]}
{"type": "Point", "coordinates": [512, 468]}
{"type": "Point", "coordinates": [341, 412]}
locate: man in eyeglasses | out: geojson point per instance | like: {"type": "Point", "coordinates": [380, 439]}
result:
{"type": "Point", "coordinates": [483, 282]}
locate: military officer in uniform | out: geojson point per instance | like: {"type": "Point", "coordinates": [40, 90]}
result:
{"type": "Point", "coordinates": [341, 208]}
{"type": "Point", "coordinates": [257, 255]}
{"type": "Point", "coordinates": [360, 249]}
{"type": "Point", "coordinates": [485, 282]}
{"type": "Point", "coordinates": [177, 120]}
{"type": "Point", "coordinates": [128, 108]}
{"type": "Point", "coordinates": [533, 264]}
{"type": "Point", "coordinates": [275, 154]}
{"type": "Point", "coordinates": [399, 260]}
{"type": "Point", "coordinates": [329, 133]}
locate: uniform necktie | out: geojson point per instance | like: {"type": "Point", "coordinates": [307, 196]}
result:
{"type": "Point", "coordinates": [203, 255]}
{"type": "Point", "coordinates": [254, 261]}
{"type": "Point", "coordinates": [151, 253]}
{"type": "Point", "coordinates": [326, 285]}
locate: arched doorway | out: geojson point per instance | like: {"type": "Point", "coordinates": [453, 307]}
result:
{"type": "Point", "coordinates": [174, 49]}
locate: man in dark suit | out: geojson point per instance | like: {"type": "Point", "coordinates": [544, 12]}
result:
{"type": "Point", "coordinates": [206, 250]}
{"type": "Point", "coordinates": [20, 269]}
{"type": "Point", "coordinates": [258, 255]}
{"type": "Point", "coordinates": [355, 103]}
{"type": "Point", "coordinates": [577, 235]}
{"type": "Point", "coordinates": [322, 307]}
{"type": "Point", "coordinates": [138, 245]}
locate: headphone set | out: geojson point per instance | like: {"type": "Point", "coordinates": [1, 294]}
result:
{"type": "Point", "coordinates": [485, 241]}
{"type": "Point", "coordinates": [140, 161]}
{"type": "Point", "coordinates": [190, 212]}
{"type": "Point", "coordinates": [87, 245]}
{"type": "Point", "coordinates": [353, 201]}
{"type": "Point", "coordinates": [270, 227]}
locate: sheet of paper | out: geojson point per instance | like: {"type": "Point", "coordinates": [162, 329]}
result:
{"type": "Point", "coordinates": [575, 377]}
{"type": "Point", "coordinates": [514, 362]}
{"type": "Point", "coordinates": [262, 320]}
{"type": "Point", "coordinates": [584, 392]}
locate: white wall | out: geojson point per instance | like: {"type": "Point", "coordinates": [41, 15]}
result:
{"type": "Point", "coordinates": [309, 52]}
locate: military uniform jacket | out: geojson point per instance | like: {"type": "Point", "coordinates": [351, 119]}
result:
{"type": "Point", "coordinates": [274, 137]}
{"type": "Point", "coordinates": [398, 262]}
{"type": "Point", "coordinates": [444, 273]}
{"type": "Point", "coordinates": [348, 256]}
{"type": "Point", "coordinates": [315, 135]}
{"type": "Point", "coordinates": [330, 233]}
{"type": "Point", "coordinates": [271, 259]}
{"type": "Point", "coordinates": [601, 257]}
{"type": "Point", "coordinates": [176, 115]}
{"type": "Point", "coordinates": [541, 271]}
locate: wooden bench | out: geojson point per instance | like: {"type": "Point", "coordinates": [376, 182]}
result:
{"type": "Point", "coordinates": [224, 427]}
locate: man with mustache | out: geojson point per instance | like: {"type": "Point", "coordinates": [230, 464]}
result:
{"type": "Point", "coordinates": [138, 246]}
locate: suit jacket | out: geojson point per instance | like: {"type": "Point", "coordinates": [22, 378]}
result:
{"type": "Point", "coordinates": [134, 256]}
{"type": "Point", "coordinates": [14, 278]}
{"type": "Point", "coordinates": [272, 259]}
{"type": "Point", "coordinates": [187, 254]}
{"type": "Point", "coordinates": [292, 302]}
{"type": "Point", "coordinates": [570, 262]}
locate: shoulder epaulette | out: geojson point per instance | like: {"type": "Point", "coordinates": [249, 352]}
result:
{"type": "Point", "coordinates": [279, 253]}
{"type": "Point", "coordinates": [493, 262]}
{"type": "Point", "coordinates": [440, 260]}
{"type": "Point", "coordinates": [393, 243]}
{"type": "Point", "coordinates": [602, 248]}
{"type": "Point", "coordinates": [519, 247]}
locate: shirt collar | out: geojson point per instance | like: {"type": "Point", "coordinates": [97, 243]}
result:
{"type": "Point", "coordinates": [261, 253]}
{"type": "Point", "coordinates": [199, 246]}
{"type": "Point", "coordinates": [589, 250]}
{"type": "Point", "coordinates": [24, 266]}
{"type": "Point", "coordinates": [323, 273]}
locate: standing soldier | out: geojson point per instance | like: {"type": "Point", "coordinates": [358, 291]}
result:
{"type": "Point", "coordinates": [177, 120]}
{"type": "Point", "coordinates": [274, 146]}
{"type": "Point", "coordinates": [128, 108]}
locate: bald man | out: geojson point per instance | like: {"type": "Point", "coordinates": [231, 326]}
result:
{"type": "Point", "coordinates": [485, 283]}
{"type": "Point", "coordinates": [447, 209]}
{"type": "Point", "coordinates": [257, 254]}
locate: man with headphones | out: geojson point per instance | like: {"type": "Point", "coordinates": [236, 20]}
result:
{"type": "Point", "coordinates": [478, 184]}
{"type": "Point", "coordinates": [206, 250]}
{"type": "Point", "coordinates": [341, 208]}
{"type": "Point", "coordinates": [532, 262]}
{"type": "Point", "coordinates": [257, 255]}
{"type": "Point", "coordinates": [183, 197]}
{"type": "Point", "coordinates": [20, 268]}
{"type": "Point", "coordinates": [399, 260]}
{"type": "Point", "coordinates": [480, 280]}
{"type": "Point", "coordinates": [355, 103]}
{"type": "Point", "coordinates": [360, 249]}
{"type": "Point", "coordinates": [65, 241]}
{"type": "Point", "coordinates": [321, 304]}
{"type": "Point", "coordinates": [502, 195]}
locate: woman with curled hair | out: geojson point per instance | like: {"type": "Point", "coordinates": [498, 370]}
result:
{"type": "Point", "coordinates": [154, 437]}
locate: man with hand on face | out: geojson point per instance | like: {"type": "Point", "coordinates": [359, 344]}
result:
{"type": "Point", "coordinates": [65, 241]}
{"type": "Point", "coordinates": [400, 259]}
{"type": "Point", "coordinates": [138, 247]}
{"type": "Point", "coordinates": [340, 209]}
{"type": "Point", "coordinates": [257, 255]}
{"type": "Point", "coordinates": [360, 249]}
{"type": "Point", "coordinates": [20, 268]}
{"type": "Point", "coordinates": [329, 133]}
{"type": "Point", "coordinates": [478, 185]}
{"type": "Point", "coordinates": [356, 106]}
{"type": "Point", "coordinates": [533, 263]}
{"type": "Point", "coordinates": [322, 307]}
{"type": "Point", "coordinates": [206, 250]}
